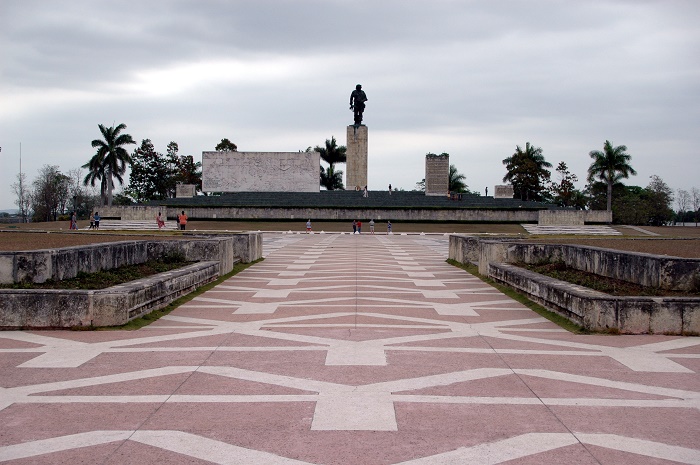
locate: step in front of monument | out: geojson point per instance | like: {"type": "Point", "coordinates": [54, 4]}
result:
{"type": "Point", "coordinates": [592, 230]}
{"type": "Point", "coordinates": [136, 225]}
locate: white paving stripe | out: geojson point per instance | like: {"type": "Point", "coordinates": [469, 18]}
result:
{"type": "Point", "coordinates": [642, 447]}
{"type": "Point", "coordinates": [210, 450]}
{"type": "Point", "coordinates": [214, 451]}
{"type": "Point", "coordinates": [60, 444]}
{"type": "Point", "coordinates": [500, 451]}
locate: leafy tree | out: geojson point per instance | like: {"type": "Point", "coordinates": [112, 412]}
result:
{"type": "Point", "coordinates": [643, 206]}
{"type": "Point", "coordinates": [456, 181]}
{"type": "Point", "coordinates": [695, 200]}
{"type": "Point", "coordinates": [527, 172]}
{"type": "Point", "coordinates": [660, 201]}
{"type": "Point", "coordinates": [610, 166]}
{"type": "Point", "coordinates": [226, 146]}
{"type": "Point", "coordinates": [151, 174]}
{"type": "Point", "coordinates": [50, 195]}
{"type": "Point", "coordinates": [82, 200]}
{"type": "Point", "coordinates": [683, 203]}
{"type": "Point", "coordinates": [564, 193]}
{"type": "Point", "coordinates": [110, 160]}
{"type": "Point", "coordinates": [332, 153]}
{"type": "Point", "coordinates": [23, 193]}
{"type": "Point", "coordinates": [420, 186]}
{"type": "Point", "coordinates": [189, 172]}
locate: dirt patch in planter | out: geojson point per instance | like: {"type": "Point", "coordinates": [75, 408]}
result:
{"type": "Point", "coordinates": [108, 278]}
{"type": "Point", "coordinates": [612, 286]}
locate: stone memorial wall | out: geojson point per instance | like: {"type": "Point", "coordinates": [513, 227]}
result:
{"type": "Point", "coordinates": [503, 192]}
{"type": "Point", "coordinates": [260, 171]}
{"type": "Point", "coordinates": [437, 174]}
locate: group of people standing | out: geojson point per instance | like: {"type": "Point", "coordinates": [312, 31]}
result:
{"type": "Point", "coordinates": [357, 227]}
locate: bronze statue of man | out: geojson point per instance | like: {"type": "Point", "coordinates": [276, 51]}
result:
{"type": "Point", "coordinates": [357, 103]}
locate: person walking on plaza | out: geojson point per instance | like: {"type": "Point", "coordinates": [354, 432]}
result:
{"type": "Point", "coordinates": [371, 226]}
{"type": "Point", "coordinates": [359, 227]}
{"type": "Point", "coordinates": [388, 227]}
{"type": "Point", "coordinates": [159, 221]}
{"type": "Point", "coordinates": [389, 189]}
{"type": "Point", "coordinates": [354, 227]}
{"type": "Point", "coordinates": [92, 221]}
{"type": "Point", "coordinates": [182, 220]}
{"type": "Point", "coordinates": [365, 193]}
{"type": "Point", "coordinates": [308, 226]}
{"type": "Point", "coordinates": [73, 221]}
{"type": "Point", "coordinates": [96, 217]}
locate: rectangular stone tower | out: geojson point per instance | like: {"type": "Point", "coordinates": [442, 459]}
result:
{"type": "Point", "coordinates": [356, 167]}
{"type": "Point", "coordinates": [437, 174]}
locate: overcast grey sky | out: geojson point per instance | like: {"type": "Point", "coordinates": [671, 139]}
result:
{"type": "Point", "coordinates": [471, 78]}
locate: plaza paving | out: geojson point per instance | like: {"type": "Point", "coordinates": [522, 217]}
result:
{"type": "Point", "coordinates": [341, 349]}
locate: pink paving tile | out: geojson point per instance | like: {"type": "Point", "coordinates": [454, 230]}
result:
{"type": "Point", "coordinates": [31, 422]}
{"type": "Point", "coordinates": [564, 363]}
{"type": "Point", "coordinates": [194, 341]}
{"type": "Point", "coordinates": [155, 385]}
{"type": "Point", "coordinates": [489, 316]}
{"type": "Point", "coordinates": [225, 418]}
{"type": "Point", "coordinates": [673, 426]}
{"type": "Point", "coordinates": [498, 386]}
{"type": "Point", "coordinates": [356, 334]}
{"type": "Point", "coordinates": [689, 363]}
{"type": "Point", "coordinates": [442, 362]}
{"type": "Point", "coordinates": [209, 384]}
{"type": "Point", "coordinates": [615, 457]}
{"type": "Point", "coordinates": [506, 343]}
{"type": "Point", "coordinates": [108, 336]}
{"type": "Point", "coordinates": [474, 342]}
{"type": "Point", "coordinates": [570, 455]}
{"type": "Point", "coordinates": [243, 340]}
{"type": "Point", "coordinates": [80, 456]}
{"type": "Point", "coordinates": [7, 343]}
{"type": "Point", "coordinates": [134, 453]}
{"type": "Point", "coordinates": [548, 388]}
{"type": "Point", "coordinates": [455, 425]}
{"type": "Point", "coordinates": [695, 349]}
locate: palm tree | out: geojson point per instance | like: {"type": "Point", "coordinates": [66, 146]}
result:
{"type": "Point", "coordinates": [527, 172]}
{"type": "Point", "coordinates": [110, 160]}
{"type": "Point", "coordinates": [610, 166]}
{"type": "Point", "coordinates": [456, 181]}
{"type": "Point", "coordinates": [332, 153]}
{"type": "Point", "coordinates": [331, 179]}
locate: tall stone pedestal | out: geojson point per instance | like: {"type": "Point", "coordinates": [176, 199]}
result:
{"type": "Point", "coordinates": [356, 167]}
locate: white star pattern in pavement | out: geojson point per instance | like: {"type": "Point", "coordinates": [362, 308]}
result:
{"type": "Point", "coordinates": [349, 349]}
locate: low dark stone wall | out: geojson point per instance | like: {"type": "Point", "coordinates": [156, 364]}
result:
{"type": "Point", "coordinates": [346, 214]}
{"type": "Point", "coordinates": [117, 305]}
{"type": "Point", "coordinates": [597, 311]}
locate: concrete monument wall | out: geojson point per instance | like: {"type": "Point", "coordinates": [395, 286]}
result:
{"type": "Point", "coordinates": [503, 192]}
{"type": "Point", "coordinates": [356, 167]}
{"type": "Point", "coordinates": [260, 171]}
{"type": "Point", "coordinates": [185, 190]}
{"type": "Point", "coordinates": [437, 174]}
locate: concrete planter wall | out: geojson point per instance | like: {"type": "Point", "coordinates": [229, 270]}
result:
{"type": "Point", "coordinates": [38, 266]}
{"type": "Point", "coordinates": [597, 311]}
{"type": "Point", "coordinates": [591, 309]}
{"type": "Point", "coordinates": [42, 308]}
{"type": "Point", "coordinates": [117, 305]}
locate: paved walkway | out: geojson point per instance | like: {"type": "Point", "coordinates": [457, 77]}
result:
{"type": "Point", "coordinates": [342, 349]}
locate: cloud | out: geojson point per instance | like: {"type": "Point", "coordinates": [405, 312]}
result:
{"type": "Point", "coordinates": [466, 77]}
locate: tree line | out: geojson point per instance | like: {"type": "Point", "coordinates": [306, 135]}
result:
{"type": "Point", "coordinates": [154, 176]}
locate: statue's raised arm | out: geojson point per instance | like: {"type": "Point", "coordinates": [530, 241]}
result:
{"type": "Point", "coordinates": [357, 103]}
